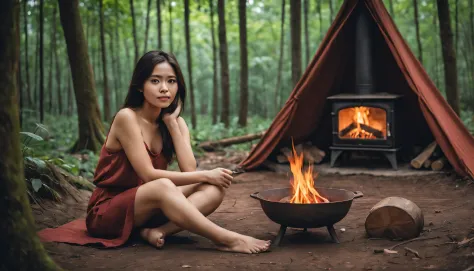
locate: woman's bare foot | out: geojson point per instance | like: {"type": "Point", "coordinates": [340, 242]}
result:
{"type": "Point", "coordinates": [155, 237]}
{"type": "Point", "coordinates": [245, 244]}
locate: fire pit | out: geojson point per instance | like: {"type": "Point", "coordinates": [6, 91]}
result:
{"type": "Point", "coordinates": [303, 205]}
{"type": "Point", "coordinates": [313, 215]}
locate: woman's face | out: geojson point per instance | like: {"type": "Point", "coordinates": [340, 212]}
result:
{"type": "Point", "coordinates": [161, 87]}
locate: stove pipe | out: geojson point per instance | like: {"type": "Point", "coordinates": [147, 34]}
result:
{"type": "Point", "coordinates": [363, 53]}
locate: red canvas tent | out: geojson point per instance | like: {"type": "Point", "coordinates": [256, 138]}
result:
{"type": "Point", "coordinates": [427, 116]}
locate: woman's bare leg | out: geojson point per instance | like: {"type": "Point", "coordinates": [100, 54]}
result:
{"type": "Point", "coordinates": [205, 197]}
{"type": "Point", "coordinates": [163, 194]}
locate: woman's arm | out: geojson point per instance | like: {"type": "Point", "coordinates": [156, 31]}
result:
{"type": "Point", "coordinates": [126, 130]}
{"type": "Point", "coordinates": [182, 144]}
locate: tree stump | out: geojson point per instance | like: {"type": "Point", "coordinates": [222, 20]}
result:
{"type": "Point", "coordinates": [394, 218]}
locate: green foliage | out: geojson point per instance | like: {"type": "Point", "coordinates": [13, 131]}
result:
{"type": "Point", "coordinates": [206, 131]}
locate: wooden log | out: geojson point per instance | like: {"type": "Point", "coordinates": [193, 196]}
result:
{"type": "Point", "coordinates": [418, 161]}
{"type": "Point", "coordinates": [212, 145]}
{"type": "Point", "coordinates": [394, 218]}
{"type": "Point", "coordinates": [439, 164]}
{"type": "Point", "coordinates": [282, 159]}
{"type": "Point", "coordinates": [313, 155]}
{"type": "Point", "coordinates": [427, 163]}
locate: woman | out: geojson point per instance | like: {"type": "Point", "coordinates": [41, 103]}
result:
{"type": "Point", "coordinates": [133, 188]}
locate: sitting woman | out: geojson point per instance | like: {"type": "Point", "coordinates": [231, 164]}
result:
{"type": "Point", "coordinates": [133, 188]}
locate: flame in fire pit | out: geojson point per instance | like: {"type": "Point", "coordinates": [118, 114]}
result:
{"type": "Point", "coordinates": [303, 183]}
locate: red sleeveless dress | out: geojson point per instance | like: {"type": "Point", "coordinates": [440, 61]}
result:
{"type": "Point", "coordinates": [110, 211]}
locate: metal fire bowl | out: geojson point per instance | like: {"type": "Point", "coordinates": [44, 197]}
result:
{"type": "Point", "coordinates": [312, 215]}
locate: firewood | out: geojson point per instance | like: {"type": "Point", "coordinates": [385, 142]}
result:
{"type": "Point", "coordinates": [212, 145]}
{"type": "Point", "coordinates": [418, 161]}
{"type": "Point", "coordinates": [313, 155]}
{"type": "Point", "coordinates": [427, 163]}
{"type": "Point", "coordinates": [282, 159]}
{"type": "Point", "coordinates": [394, 218]}
{"type": "Point", "coordinates": [439, 164]}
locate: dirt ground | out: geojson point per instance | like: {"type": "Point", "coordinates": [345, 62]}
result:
{"type": "Point", "coordinates": [447, 204]}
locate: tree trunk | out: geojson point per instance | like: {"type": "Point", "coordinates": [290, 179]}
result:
{"type": "Point", "coordinates": [36, 69]}
{"type": "Point", "coordinates": [449, 56]}
{"type": "Point", "coordinates": [436, 41]}
{"type": "Point", "coordinates": [115, 73]}
{"type": "Point", "coordinates": [27, 56]}
{"type": "Point", "coordinates": [280, 61]}
{"type": "Point", "coordinates": [158, 19]}
{"type": "Point", "coordinates": [456, 28]}
{"type": "Point", "coordinates": [295, 19]}
{"type": "Point", "coordinates": [91, 130]}
{"type": "Point", "coordinates": [134, 28]}
{"type": "Point", "coordinates": [171, 26]}
{"type": "Point", "coordinates": [147, 26]}
{"type": "Point", "coordinates": [331, 11]}
{"type": "Point", "coordinates": [117, 58]}
{"type": "Point", "coordinates": [390, 4]}
{"type": "Point", "coordinates": [58, 67]}
{"type": "Point", "coordinates": [51, 58]}
{"type": "Point", "coordinates": [190, 63]}
{"type": "Point", "coordinates": [69, 96]}
{"type": "Point", "coordinates": [306, 32]}
{"type": "Point", "coordinates": [106, 95]}
{"type": "Point", "coordinates": [417, 28]}
{"type": "Point", "coordinates": [320, 15]}
{"type": "Point", "coordinates": [224, 63]}
{"type": "Point", "coordinates": [41, 61]}
{"type": "Point", "coordinates": [20, 246]}
{"type": "Point", "coordinates": [215, 96]}
{"type": "Point", "coordinates": [244, 67]}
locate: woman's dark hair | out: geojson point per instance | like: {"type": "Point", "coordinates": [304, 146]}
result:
{"type": "Point", "coordinates": [135, 98]}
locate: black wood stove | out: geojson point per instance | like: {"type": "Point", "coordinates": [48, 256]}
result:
{"type": "Point", "coordinates": [365, 119]}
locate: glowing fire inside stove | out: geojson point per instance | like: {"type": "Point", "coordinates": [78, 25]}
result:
{"type": "Point", "coordinates": [303, 190]}
{"type": "Point", "coordinates": [362, 122]}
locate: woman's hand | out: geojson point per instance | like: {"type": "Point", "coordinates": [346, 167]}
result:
{"type": "Point", "coordinates": [167, 118]}
{"type": "Point", "coordinates": [219, 177]}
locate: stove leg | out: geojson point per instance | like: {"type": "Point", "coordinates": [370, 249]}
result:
{"type": "Point", "coordinates": [334, 155]}
{"type": "Point", "coordinates": [333, 234]}
{"type": "Point", "coordinates": [392, 158]}
{"type": "Point", "coordinates": [279, 237]}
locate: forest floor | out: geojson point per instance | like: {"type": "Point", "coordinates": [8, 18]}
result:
{"type": "Point", "coordinates": [447, 204]}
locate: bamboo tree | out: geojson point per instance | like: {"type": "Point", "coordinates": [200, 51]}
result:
{"type": "Point", "coordinates": [20, 246]}
{"type": "Point", "coordinates": [91, 130]}
{"type": "Point", "coordinates": [295, 20]}
{"type": "Point", "coordinates": [106, 95]}
{"type": "Point", "coordinates": [225, 85]}
{"type": "Point", "coordinates": [280, 60]}
{"type": "Point", "coordinates": [417, 28]}
{"type": "Point", "coordinates": [134, 30]}
{"type": "Point", "coordinates": [244, 66]}
{"type": "Point", "coordinates": [215, 96]}
{"type": "Point", "coordinates": [449, 57]}
{"type": "Point", "coordinates": [147, 25]}
{"type": "Point", "coordinates": [190, 63]}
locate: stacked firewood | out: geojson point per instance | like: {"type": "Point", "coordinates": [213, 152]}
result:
{"type": "Point", "coordinates": [431, 157]}
{"type": "Point", "coordinates": [311, 154]}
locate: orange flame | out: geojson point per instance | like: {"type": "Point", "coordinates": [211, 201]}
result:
{"type": "Point", "coordinates": [303, 183]}
{"type": "Point", "coordinates": [361, 116]}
